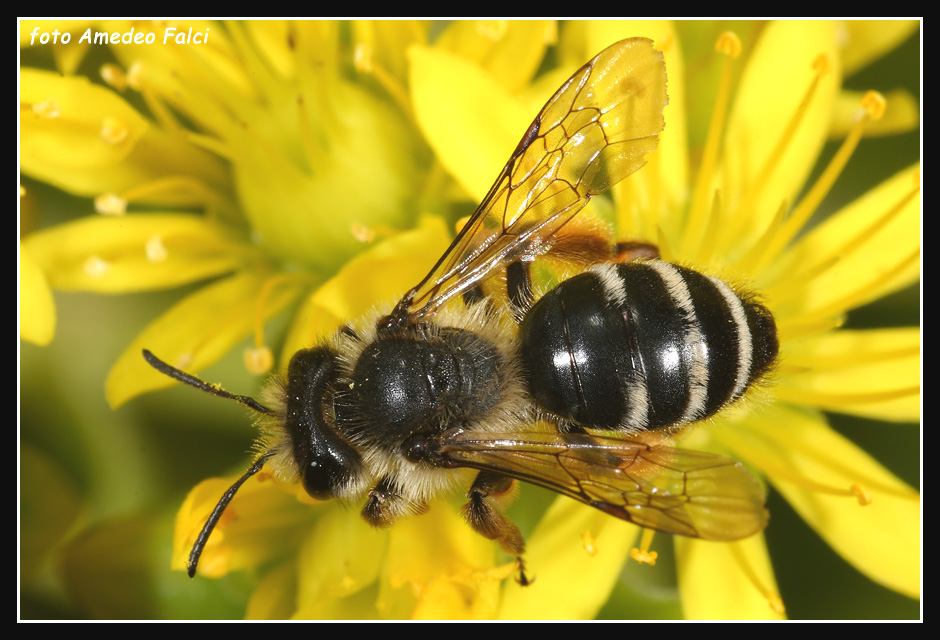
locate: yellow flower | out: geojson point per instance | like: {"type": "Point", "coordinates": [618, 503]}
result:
{"type": "Point", "coordinates": [305, 172]}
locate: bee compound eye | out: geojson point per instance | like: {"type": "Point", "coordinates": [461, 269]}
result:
{"type": "Point", "coordinates": [320, 478]}
{"type": "Point", "coordinates": [326, 461]}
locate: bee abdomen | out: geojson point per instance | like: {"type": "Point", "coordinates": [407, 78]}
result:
{"type": "Point", "coordinates": [644, 345]}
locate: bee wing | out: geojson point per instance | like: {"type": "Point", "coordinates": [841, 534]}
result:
{"type": "Point", "coordinates": [595, 131]}
{"type": "Point", "coordinates": [679, 491]}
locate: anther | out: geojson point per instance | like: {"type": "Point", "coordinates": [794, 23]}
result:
{"type": "Point", "coordinates": [362, 233]}
{"type": "Point", "coordinates": [874, 105]}
{"type": "Point", "coordinates": [587, 541]}
{"type": "Point", "coordinates": [864, 497]}
{"type": "Point", "coordinates": [773, 600]}
{"type": "Point", "coordinates": [110, 204]}
{"type": "Point", "coordinates": [821, 64]}
{"type": "Point", "coordinates": [136, 76]}
{"type": "Point", "coordinates": [258, 360]}
{"type": "Point", "coordinates": [643, 555]}
{"type": "Point", "coordinates": [155, 250]}
{"type": "Point", "coordinates": [362, 58]}
{"type": "Point", "coordinates": [47, 109]}
{"type": "Point", "coordinates": [96, 267]}
{"type": "Point", "coordinates": [113, 130]}
{"type": "Point", "coordinates": [114, 76]}
{"type": "Point", "coordinates": [729, 44]}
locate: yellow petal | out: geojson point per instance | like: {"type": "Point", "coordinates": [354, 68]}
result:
{"type": "Point", "coordinates": [87, 140]}
{"type": "Point", "coordinates": [471, 122]}
{"type": "Point", "coordinates": [779, 71]}
{"type": "Point", "coordinates": [255, 527]}
{"type": "Point", "coordinates": [134, 253]}
{"type": "Point", "coordinates": [902, 114]}
{"type": "Point", "coordinates": [275, 597]}
{"type": "Point", "coordinates": [868, 40]}
{"type": "Point", "coordinates": [804, 459]}
{"type": "Point", "coordinates": [439, 568]}
{"type": "Point", "coordinates": [340, 557]}
{"type": "Point", "coordinates": [37, 308]}
{"type": "Point", "coordinates": [572, 580]}
{"type": "Point", "coordinates": [867, 250]}
{"type": "Point", "coordinates": [510, 50]}
{"type": "Point", "coordinates": [714, 581]}
{"type": "Point", "coordinates": [359, 168]}
{"type": "Point", "coordinates": [377, 277]}
{"type": "Point", "coordinates": [388, 42]}
{"type": "Point", "coordinates": [874, 374]}
{"type": "Point", "coordinates": [195, 333]}
{"type": "Point", "coordinates": [61, 123]}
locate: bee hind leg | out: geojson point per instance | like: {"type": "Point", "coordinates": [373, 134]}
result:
{"type": "Point", "coordinates": [630, 251]}
{"type": "Point", "coordinates": [489, 493]}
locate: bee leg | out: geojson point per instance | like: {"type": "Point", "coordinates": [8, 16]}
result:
{"type": "Point", "coordinates": [487, 494]}
{"type": "Point", "coordinates": [630, 251]}
{"type": "Point", "coordinates": [474, 295]}
{"type": "Point", "coordinates": [519, 289]}
{"type": "Point", "coordinates": [386, 503]}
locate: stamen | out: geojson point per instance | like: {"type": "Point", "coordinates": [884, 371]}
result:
{"type": "Point", "coordinates": [872, 109]}
{"type": "Point", "coordinates": [808, 398]}
{"type": "Point", "coordinates": [113, 76]}
{"type": "Point", "coordinates": [850, 246]}
{"type": "Point", "coordinates": [362, 233]}
{"type": "Point", "coordinates": [367, 235]}
{"type": "Point", "coordinates": [258, 360]}
{"type": "Point", "coordinates": [643, 555]}
{"type": "Point", "coordinates": [110, 204]}
{"type": "Point", "coordinates": [170, 185]}
{"type": "Point", "coordinates": [47, 109]}
{"type": "Point", "coordinates": [748, 263]}
{"type": "Point", "coordinates": [775, 602]}
{"type": "Point", "coordinates": [760, 253]}
{"type": "Point", "coordinates": [113, 130]}
{"type": "Point", "coordinates": [864, 498]}
{"type": "Point", "coordinates": [136, 74]}
{"type": "Point", "coordinates": [494, 30]}
{"type": "Point", "coordinates": [364, 62]}
{"type": "Point", "coordinates": [863, 294]}
{"type": "Point", "coordinates": [155, 250]}
{"type": "Point", "coordinates": [856, 489]}
{"type": "Point", "coordinates": [137, 80]}
{"type": "Point", "coordinates": [96, 267]}
{"type": "Point", "coordinates": [587, 541]}
{"type": "Point", "coordinates": [711, 231]}
{"type": "Point", "coordinates": [792, 330]}
{"type": "Point", "coordinates": [730, 45]}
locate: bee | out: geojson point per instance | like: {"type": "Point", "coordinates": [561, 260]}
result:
{"type": "Point", "coordinates": [578, 389]}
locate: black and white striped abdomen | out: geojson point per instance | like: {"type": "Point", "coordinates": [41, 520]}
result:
{"type": "Point", "coordinates": [643, 345]}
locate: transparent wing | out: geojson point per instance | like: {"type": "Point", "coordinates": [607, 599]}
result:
{"type": "Point", "coordinates": [690, 493]}
{"type": "Point", "coordinates": [595, 131]}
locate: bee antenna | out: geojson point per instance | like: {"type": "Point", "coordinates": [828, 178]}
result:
{"type": "Point", "coordinates": [193, 381]}
{"type": "Point", "coordinates": [213, 520]}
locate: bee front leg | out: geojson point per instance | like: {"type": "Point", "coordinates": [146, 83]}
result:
{"type": "Point", "coordinates": [489, 492]}
{"type": "Point", "coordinates": [386, 504]}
